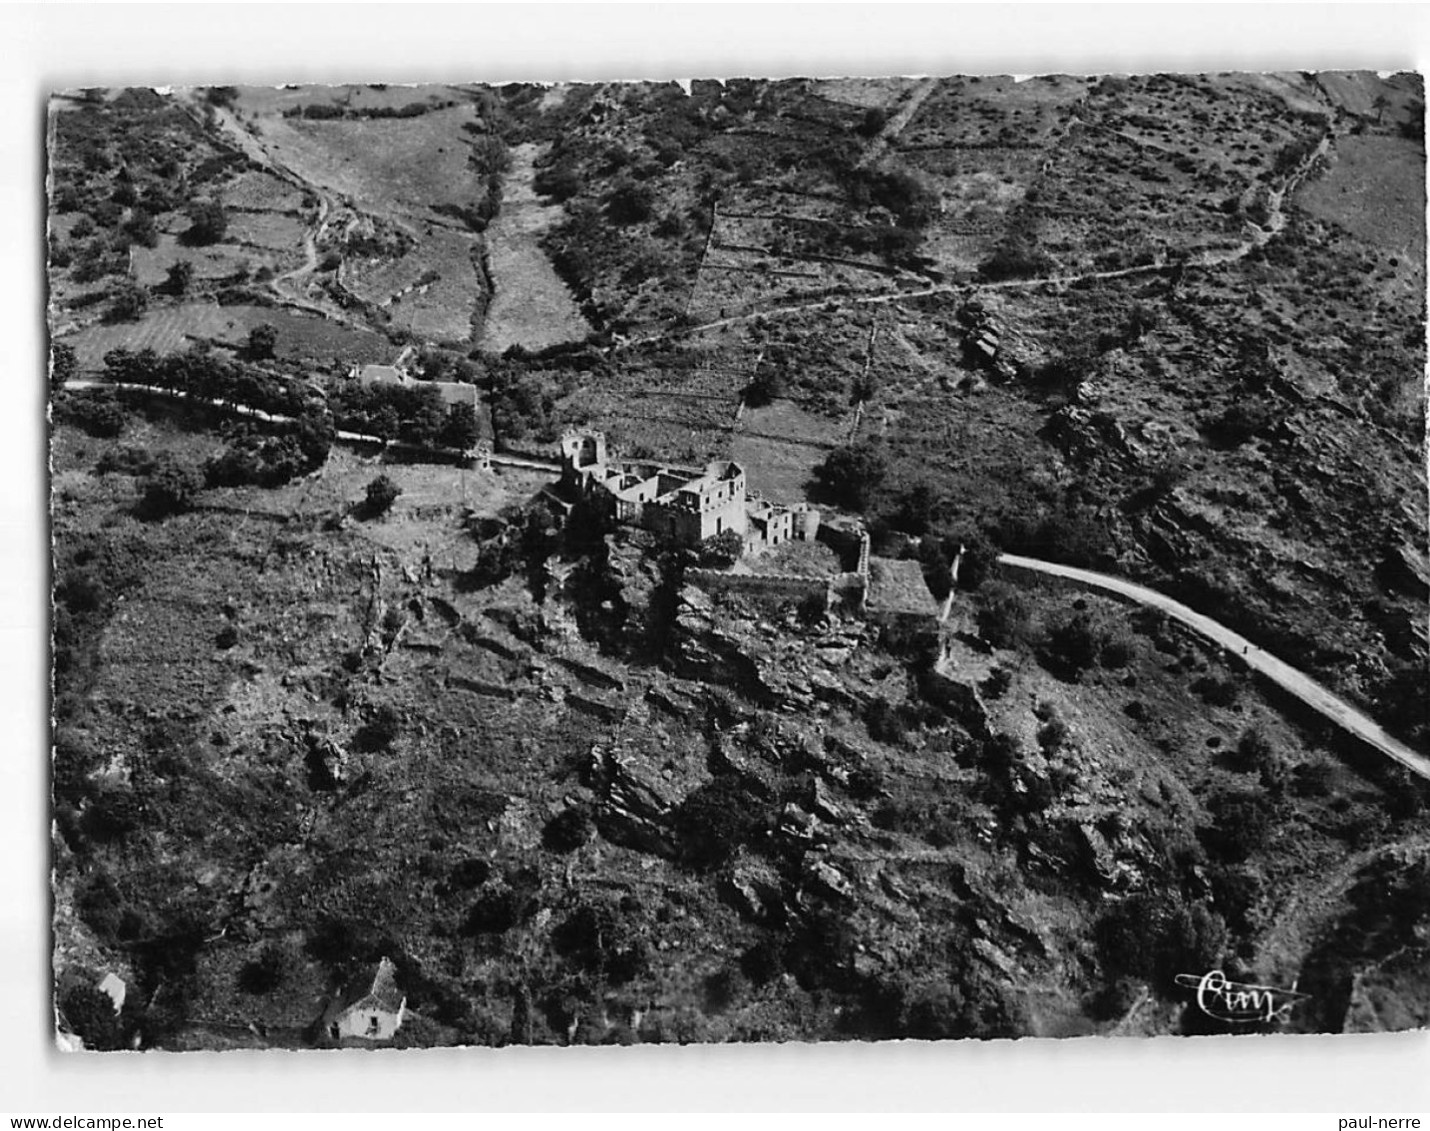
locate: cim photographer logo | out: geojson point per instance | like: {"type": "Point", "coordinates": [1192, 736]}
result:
{"type": "Point", "coordinates": [1239, 1003]}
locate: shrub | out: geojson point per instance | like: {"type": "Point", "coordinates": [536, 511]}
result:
{"type": "Point", "coordinates": [568, 830]}
{"type": "Point", "coordinates": [208, 223]}
{"type": "Point", "coordinates": [997, 684]}
{"type": "Point", "coordinates": [630, 203]}
{"type": "Point", "coordinates": [715, 821]}
{"type": "Point", "coordinates": [380, 731]}
{"type": "Point", "coordinates": [1241, 825]}
{"type": "Point", "coordinates": [1217, 691]}
{"type": "Point", "coordinates": [849, 475]}
{"type": "Point", "coordinates": [884, 723]}
{"type": "Point", "coordinates": [722, 550]}
{"type": "Point", "coordinates": [598, 939]}
{"type": "Point", "coordinates": [461, 429]}
{"type": "Point", "coordinates": [1075, 643]}
{"type": "Point", "coordinates": [381, 493]}
{"type": "Point", "coordinates": [1002, 615]}
{"type": "Point", "coordinates": [494, 913]}
{"type": "Point", "coordinates": [261, 341]}
{"type": "Point", "coordinates": [766, 386]}
{"type": "Point", "coordinates": [265, 973]}
{"type": "Point", "coordinates": [128, 304]}
{"type": "Point", "coordinates": [171, 488]}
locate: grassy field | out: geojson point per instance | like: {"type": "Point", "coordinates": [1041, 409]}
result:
{"type": "Point", "coordinates": [253, 190]}
{"type": "Point", "coordinates": [440, 309]}
{"type": "Point", "coordinates": [1375, 189]}
{"type": "Point", "coordinates": [269, 231]}
{"type": "Point", "coordinates": [170, 328]}
{"type": "Point", "coordinates": [531, 306]}
{"type": "Point", "coordinates": [384, 165]}
{"type": "Point", "coordinates": [219, 261]}
{"type": "Point", "coordinates": [779, 446]}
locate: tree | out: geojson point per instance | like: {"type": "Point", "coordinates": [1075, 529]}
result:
{"type": "Point", "coordinates": [766, 386]}
{"type": "Point", "coordinates": [1075, 643]}
{"type": "Point", "coordinates": [851, 474]}
{"type": "Point", "coordinates": [382, 492]}
{"type": "Point", "coordinates": [181, 274]}
{"type": "Point", "coordinates": [208, 223]}
{"type": "Point", "coordinates": [64, 366]}
{"type": "Point", "coordinates": [261, 341]}
{"type": "Point", "coordinates": [171, 488]}
{"type": "Point", "coordinates": [129, 303]}
{"type": "Point", "coordinates": [460, 429]}
{"type": "Point", "coordinates": [630, 203]}
{"type": "Point", "coordinates": [140, 228]}
{"type": "Point", "coordinates": [1003, 616]}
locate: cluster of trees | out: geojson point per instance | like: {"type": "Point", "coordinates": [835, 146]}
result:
{"type": "Point", "coordinates": [199, 373]}
{"type": "Point", "coordinates": [414, 414]}
{"type": "Point", "coordinates": [267, 460]}
{"type": "Point", "coordinates": [522, 406]}
{"type": "Point", "coordinates": [208, 223]}
{"type": "Point", "coordinates": [851, 474]}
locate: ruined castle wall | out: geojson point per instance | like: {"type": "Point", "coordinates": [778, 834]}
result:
{"type": "Point", "coordinates": [782, 587]}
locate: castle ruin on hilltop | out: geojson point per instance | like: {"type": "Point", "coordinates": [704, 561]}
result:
{"type": "Point", "coordinates": [685, 504]}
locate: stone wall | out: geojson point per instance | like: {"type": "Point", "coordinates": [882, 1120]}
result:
{"type": "Point", "coordinates": [774, 586]}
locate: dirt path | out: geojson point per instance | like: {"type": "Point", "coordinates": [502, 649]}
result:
{"type": "Point", "coordinates": [531, 306]}
{"type": "Point", "coordinates": [1283, 948]}
{"type": "Point", "coordinates": [1290, 679]}
{"type": "Point", "coordinates": [1257, 237]}
{"type": "Point", "coordinates": [895, 125]}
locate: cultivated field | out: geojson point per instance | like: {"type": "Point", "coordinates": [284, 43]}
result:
{"type": "Point", "coordinates": [531, 306]}
{"type": "Point", "coordinates": [434, 309]}
{"type": "Point", "coordinates": [173, 328]}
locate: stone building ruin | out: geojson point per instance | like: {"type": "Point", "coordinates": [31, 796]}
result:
{"type": "Point", "coordinates": [685, 504]}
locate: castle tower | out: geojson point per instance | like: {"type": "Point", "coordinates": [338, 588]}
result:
{"type": "Point", "coordinates": [580, 448]}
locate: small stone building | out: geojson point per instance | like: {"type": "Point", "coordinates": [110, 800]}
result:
{"type": "Point", "coordinates": [370, 1012]}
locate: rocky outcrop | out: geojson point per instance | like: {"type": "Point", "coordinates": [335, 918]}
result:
{"type": "Point", "coordinates": [1088, 437]}
{"type": "Point", "coordinates": [636, 806]}
{"type": "Point", "coordinates": [702, 649]}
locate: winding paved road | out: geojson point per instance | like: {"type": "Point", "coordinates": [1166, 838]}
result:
{"type": "Point", "coordinates": [1334, 708]}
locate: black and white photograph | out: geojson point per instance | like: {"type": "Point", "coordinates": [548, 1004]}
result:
{"type": "Point", "coordinates": [752, 559]}
{"type": "Point", "coordinates": [739, 560]}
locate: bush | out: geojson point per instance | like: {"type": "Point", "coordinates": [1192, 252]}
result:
{"type": "Point", "coordinates": [768, 385]}
{"type": "Point", "coordinates": [630, 203]}
{"type": "Point", "coordinates": [265, 973]}
{"type": "Point", "coordinates": [1002, 615]}
{"type": "Point", "coordinates": [171, 488]}
{"type": "Point", "coordinates": [1217, 691]}
{"type": "Point", "coordinates": [568, 830]}
{"type": "Point", "coordinates": [381, 493]}
{"type": "Point", "coordinates": [461, 429]}
{"type": "Point", "coordinates": [884, 723]}
{"type": "Point", "coordinates": [851, 474]}
{"type": "Point", "coordinates": [380, 731]}
{"type": "Point", "coordinates": [721, 551]}
{"type": "Point", "coordinates": [715, 821]}
{"type": "Point", "coordinates": [261, 341]}
{"type": "Point", "coordinates": [129, 303]}
{"type": "Point", "coordinates": [208, 223]}
{"type": "Point", "coordinates": [1075, 643]}
{"type": "Point", "coordinates": [596, 938]}
{"type": "Point", "coordinates": [1241, 825]}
